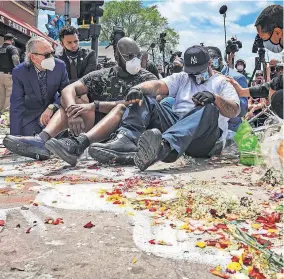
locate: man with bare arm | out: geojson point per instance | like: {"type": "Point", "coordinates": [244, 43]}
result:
{"type": "Point", "coordinates": [204, 102]}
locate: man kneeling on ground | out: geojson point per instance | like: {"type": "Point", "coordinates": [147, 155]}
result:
{"type": "Point", "coordinates": [83, 104]}
{"type": "Point", "coordinates": [193, 126]}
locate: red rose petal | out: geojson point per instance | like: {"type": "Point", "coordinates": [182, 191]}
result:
{"type": "Point", "coordinates": [152, 241]}
{"type": "Point", "coordinates": [222, 226]}
{"type": "Point", "coordinates": [188, 211]}
{"type": "Point", "coordinates": [2, 223]}
{"type": "Point", "coordinates": [235, 259]}
{"type": "Point", "coordinates": [89, 225]}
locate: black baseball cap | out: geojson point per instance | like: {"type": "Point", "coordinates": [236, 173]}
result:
{"type": "Point", "coordinates": [196, 60]}
{"type": "Point", "coordinates": [9, 36]}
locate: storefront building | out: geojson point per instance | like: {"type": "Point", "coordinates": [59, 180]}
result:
{"type": "Point", "coordinates": [19, 18]}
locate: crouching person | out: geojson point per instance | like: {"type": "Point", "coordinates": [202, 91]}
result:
{"type": "Point", "coordinates": [204, 102]}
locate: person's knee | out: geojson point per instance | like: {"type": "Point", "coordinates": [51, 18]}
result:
{"type": "Point", "coordinates": [82, 100]}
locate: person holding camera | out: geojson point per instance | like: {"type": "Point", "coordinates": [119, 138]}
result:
{"type": "Point", "coordinates": [272, 90]}
{"type": "Point", "coordinates": [193, 125]}
{"type": "Point", "coordinates": [269, 26]}
{"type": "Point", "coordinates": [148, 65]}
{"type": "Point", "coordinates": [218, 65]}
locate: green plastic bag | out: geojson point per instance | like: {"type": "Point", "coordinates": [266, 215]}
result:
{"type": "Point", "coordinates": [248, 145]}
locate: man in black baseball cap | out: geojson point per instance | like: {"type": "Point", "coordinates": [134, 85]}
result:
{"type": "Point", "coordinates": [192, 125]}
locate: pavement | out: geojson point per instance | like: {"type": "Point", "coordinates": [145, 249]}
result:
{"type": "Point", "coordinates": [117, 246]}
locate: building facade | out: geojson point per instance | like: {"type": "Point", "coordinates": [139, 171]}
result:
{"type": "Point", "coordinates": [19, 18]}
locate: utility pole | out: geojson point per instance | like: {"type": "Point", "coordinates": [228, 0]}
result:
{"type": "Point", "coordinates": [95, 27]}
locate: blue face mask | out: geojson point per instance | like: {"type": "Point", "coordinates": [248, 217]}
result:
{"type": "Point", "coordinates": [200, 78]}
{"type": "Point", "coordinates": [215, 63]}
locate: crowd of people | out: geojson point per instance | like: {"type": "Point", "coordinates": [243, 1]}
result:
{"type": "Point", "coordinates": [130, 113]}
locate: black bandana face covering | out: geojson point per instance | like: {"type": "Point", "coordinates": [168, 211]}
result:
{"type": "Point", "coordinates": [71, 53]}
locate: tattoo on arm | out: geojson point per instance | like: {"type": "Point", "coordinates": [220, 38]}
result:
{"type": "Point", "coordinates": [154, 88]}
{"type": "Point", "coordinates": [16, 60]}
{"type": "Point", "coordinates": [227, 108]}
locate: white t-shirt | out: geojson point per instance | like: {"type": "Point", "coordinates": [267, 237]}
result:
{"type": "Point", "coordinates": [182, 88]}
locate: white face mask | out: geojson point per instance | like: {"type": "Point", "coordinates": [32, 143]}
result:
{"type": "Point", "coordinates": [240, 68]}
{"type": "Point", "coordinates": [133, 66]}
{"type": "Point", "coordinates": [48, 63]}
{"type": "Point", "coordinates": [272, 47]}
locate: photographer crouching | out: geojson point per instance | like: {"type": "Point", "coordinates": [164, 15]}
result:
{"type": "Point", "coordinates": [269, 25]}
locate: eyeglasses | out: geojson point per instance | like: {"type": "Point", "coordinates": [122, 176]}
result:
{"type": "Point", "coordinates": [46, 55]}
{"type": "Point", "coordinates": [131, 56]}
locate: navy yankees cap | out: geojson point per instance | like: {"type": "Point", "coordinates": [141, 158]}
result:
{"type": "Point", "coordinates": [196, 60]}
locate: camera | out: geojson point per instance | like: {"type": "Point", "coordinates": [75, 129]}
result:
{"type": "Point", "coordinates": [233, 45]}
{"type": "Point", "coordinates": [174, 55]}
{"type": "Point", "coordinates": [115, 36]}
{"type": "Point", "coordinates": [258, 43]}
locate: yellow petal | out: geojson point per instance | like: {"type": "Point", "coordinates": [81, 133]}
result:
{"type": "Point", "coordinates": [273, 231]}
{"type": "Point", "coordinates": [184, 227]}
{"type": "Point", "coordinates": [200, 244]}
{"type": "Point", "coordinates": [134, 261]}
{"type": "Point", "coordinates": [256, 226]}
{"type": "Point", "coordinates": [130, 213]}
{"type": "Point", "coordinates": [234, 266]}
{"type": "Point", "coordinates": [218, 268]}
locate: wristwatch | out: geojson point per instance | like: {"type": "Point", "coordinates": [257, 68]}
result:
{"type": "Point", "coordinates": [52, 107]}
{"type": "Point", "coordinates": [97, 105]}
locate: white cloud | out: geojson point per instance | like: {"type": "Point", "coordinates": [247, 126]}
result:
{"type": "Point", "coordinates": [200, 22]}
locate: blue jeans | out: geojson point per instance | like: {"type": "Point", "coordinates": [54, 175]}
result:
{"type": "Point", "coordinates": [194, 134]}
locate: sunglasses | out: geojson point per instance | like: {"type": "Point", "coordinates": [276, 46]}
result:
{"type": "Point", "coordinates": [46, 55]}
{"type": "Point", "coordinates": [132, 56]}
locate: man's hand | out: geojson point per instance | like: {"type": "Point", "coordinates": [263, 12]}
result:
{"type": "Point", "coordinates": [203, 98]}
{"type": "Point", "coordinates": [76, 125]}
{"type": "Point", "coordinates": [134, 95]}
{"type": "Point", "coordinates": [79, 109]}
{"type": "Point", "coordinates": [46, 116]}
{"type": "Point", "coordinates": [232, 81]}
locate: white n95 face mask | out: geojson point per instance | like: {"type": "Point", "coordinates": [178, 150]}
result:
{"type": "Point", "coordinates": [240, 68]}
{"type": "Point", "coordinates": [133, 66]}
{"type": "Point", "coordinates": [48, 63]}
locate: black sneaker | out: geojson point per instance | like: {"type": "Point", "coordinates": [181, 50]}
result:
{"type": "Point", "coordinates": [217, 149]}
{"type": "Point", "coordinates": [32, 146]}
{"type": "Point", "coordinates": [149, 149]}
{"type": "Point", "coordinates": [68, 149]}
{"type": "Point", "coordinates": [118, 150]}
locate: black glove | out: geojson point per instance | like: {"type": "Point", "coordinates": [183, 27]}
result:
{"type": "Point", "coordinates": [203, 98]}
{"type": "Point", "coordinates": [134, 94]}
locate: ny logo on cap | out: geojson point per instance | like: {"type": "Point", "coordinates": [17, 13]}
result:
{"type": "Point", "coordinates": [193, 60]}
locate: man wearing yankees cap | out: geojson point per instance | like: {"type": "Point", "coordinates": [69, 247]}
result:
{"type": "Point", "coordinates": [195, 125]}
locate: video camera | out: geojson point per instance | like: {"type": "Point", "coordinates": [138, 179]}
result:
{"type": "Point", "coordinates": [233, 45]}
{"type": "Point", "coordinates": [174, 55]}
{"type": "Point", "coordinates": [115, 36]}
{"type": "Point", "coordinates": [104, 62]}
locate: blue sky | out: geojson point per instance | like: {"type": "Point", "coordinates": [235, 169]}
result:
{"type": "Point", "coordinates": [199, 21]}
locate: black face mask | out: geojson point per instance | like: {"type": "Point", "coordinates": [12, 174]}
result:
{"type": "Point", "coordinates": [72, 54]}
